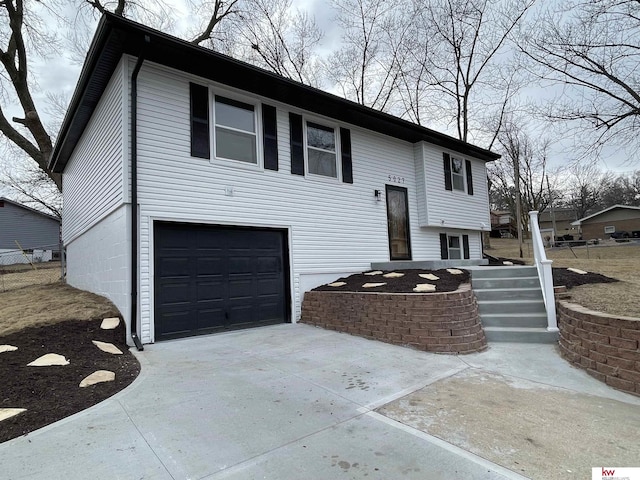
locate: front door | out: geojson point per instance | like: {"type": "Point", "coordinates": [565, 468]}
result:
{"type": "Point", "coordinates": [398, 223]}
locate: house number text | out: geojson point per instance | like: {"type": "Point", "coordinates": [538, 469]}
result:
{"type": "Point", "coordinates": [395, 179]}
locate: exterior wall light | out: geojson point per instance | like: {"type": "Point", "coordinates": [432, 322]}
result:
{"type": "Point", "coordinates": [378, 195]}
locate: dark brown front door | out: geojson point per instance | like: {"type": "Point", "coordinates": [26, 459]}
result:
{"type": "Point", "coordinates": [398, 223]}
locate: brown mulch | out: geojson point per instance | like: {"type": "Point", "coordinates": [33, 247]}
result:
{"type": "Point", "coordinates": [569, 279]}
{"type": "Point", "coordinates": [52, 393]}
{"type": "Point", "coordinates": [447, 282]}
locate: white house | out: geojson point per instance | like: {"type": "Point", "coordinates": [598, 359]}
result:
{"type": "Point", "coordinates": [249, 188]}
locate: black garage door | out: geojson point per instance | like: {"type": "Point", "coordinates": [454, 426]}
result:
{"type": "Point", "coordinates": [215, 278]}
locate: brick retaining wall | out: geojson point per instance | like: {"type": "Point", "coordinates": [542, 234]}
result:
{"type": "Point", "coordinates": [445, 322]}
{"type": "Point", "coordinates": [605, 345]}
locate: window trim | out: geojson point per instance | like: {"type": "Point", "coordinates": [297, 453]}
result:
{"type": "Point", "coordinates": [258, 124]}
{"type": "Point", "coordinates": [337, 153]}
{"type": "Point", "coordinates": [466, 173]}
{"type": "Point", "coordinates": [465, 249]}
{"type": "Point", "coordinates": [462, 174]}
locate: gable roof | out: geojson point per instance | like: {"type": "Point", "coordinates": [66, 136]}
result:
{"type": "Point", "coordinates": [578, 222]}
{"type": "Point", "coordinates": [116, 36]}
{"type": "Point", "coordinates": [32, 210]}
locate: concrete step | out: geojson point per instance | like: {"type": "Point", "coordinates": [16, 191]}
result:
{"type": "Point", "coordinates": [520, 335]}
{"type": "Point", "coordinates": [530, 293]}
{"type": "Point", "coordinates": [510, 306]}
{"type": "Point", "coordinates": [519, 282]}
{"type": "Point", "coordinates": [504, 272]}
{"type": "Point", "coordinates": [533, 320]}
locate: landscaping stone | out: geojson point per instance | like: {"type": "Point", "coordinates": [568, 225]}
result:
{"type": "Point", "coordinates": [507, 262]}
{"type": "Point", "coordinates": [454, 271]}
{"type": "Point", "coordinates": [110, 323]}
{"type": "Point", "coordinates": [393, 275]}
{"type": "Point", "coordinates": [578, 271]}
{"type": "Point", "coordinates": [7, 348]}
{"type": "Point", "coordinates": [375, 272]}
{"type": "Point", "coordinates": [10, 412]}
{"type": "Point", "coordinates": [428, 276]}
{"type": "Point", "coordinates": [337, 284]}
{"type": "Point", "coordinates": [107, 347]}
{"type": "Point", "coordinates": [424, 287]}
{"type": "Point", "coordinates": [98, 376]}
{"type": "Point", "coordinates": [372, 285]}
{"type": "Point", "coordinates": [48, 360]}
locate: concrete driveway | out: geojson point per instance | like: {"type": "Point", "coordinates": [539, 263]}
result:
{"type": "Point", "coordinates": [282, 402]}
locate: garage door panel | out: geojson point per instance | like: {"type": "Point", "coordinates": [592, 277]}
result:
{"type": "Point", "coordinates": [173, 267]}
{"type": "Point", "coordinates": [209, 266]}
{"type": "Point", "coordinates": [174, 293]}
{"type": "Point", "coordinates": [209, 278]}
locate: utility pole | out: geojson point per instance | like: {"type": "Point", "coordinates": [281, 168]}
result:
{"type": "Point", "coordinates": [553, 213]}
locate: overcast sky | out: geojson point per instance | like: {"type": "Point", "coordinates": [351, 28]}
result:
{"type": "Point", "coordinates": [59, 73]}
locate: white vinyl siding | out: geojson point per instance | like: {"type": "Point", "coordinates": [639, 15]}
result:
{"type": "Point", "coordinates": [92, 183]}
{"type": "Point", "coordinates": [443, 208]}
{"type": "Point", "coordinates": [333, 228]}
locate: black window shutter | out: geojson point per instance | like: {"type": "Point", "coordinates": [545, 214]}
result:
{"type": "Point", "coordinates": [345, 149]}
{"type": "Point", "coordinates": [469, 177]}
{"type": "Point", "coordinates": [297, 149]}
{"type": "Point", "coordinates": [447, 171]}
{"type": "Point", "coordinates": [465, 245]}
{"type": "Point", "coordinates": [199, 102]}
{"type": "Point", "coordinates": [270, 137]}
{"type": "Point", "coordinates": [444, 247]}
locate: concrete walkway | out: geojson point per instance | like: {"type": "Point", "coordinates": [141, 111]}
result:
{"type": "Point", "coordinates": [282, 402]}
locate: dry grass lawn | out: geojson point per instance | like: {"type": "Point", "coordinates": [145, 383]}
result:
{"type": "Point", "coordinates": [49, 304]}
{"type": "Point", "coordinates": [616, 260]}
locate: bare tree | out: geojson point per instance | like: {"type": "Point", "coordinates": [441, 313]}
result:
{"type": "Point", "coordinates": [367, 67]}
{"type": "Point", "coordinates": [23, 33]}
{"type": "Point", "coordinates": [465, 56]}
{"type": "Point", "coordinates": [592, 49]}
{"type": "Point", "coordinates": [277, 37]}
{"type": "Point", "coordinates": [524, 164]}
{"type": "Point", "coordinates": [584, 188]}
{"type": "Point", "coordinates": [209, 14]}
{"type": "Point", "coordinates": [31, 185]}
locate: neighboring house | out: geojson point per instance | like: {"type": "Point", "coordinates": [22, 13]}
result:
{"type": "Point", "coordinates": [249, 188]}
{"type": "Point", "coordinates": [564, 217]}
{"type": "Point", "coordinates": [600, 225]}
{"type": "Point", "coordinates": [26, 234]}
{"type": "Point", "coordinates": [503, 224]}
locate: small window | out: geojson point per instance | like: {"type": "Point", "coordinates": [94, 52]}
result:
{"type": "Point", "coordinates": [457, 173]}
{"type": "Point", "coordinates": [455, 252]}
{"type": "Point", "coordinates": [235, 130]}
{"type": "Point", "coordinates": [610, 229]}
{"type": "Point", "coordinates": [454, 247]}
{"type": "Point", "coordinates": [321, 150]}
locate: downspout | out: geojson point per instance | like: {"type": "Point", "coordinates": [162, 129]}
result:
{"type": "Point", "coordinates": [134, 196]}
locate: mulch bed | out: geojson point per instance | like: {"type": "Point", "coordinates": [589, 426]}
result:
{"type": "Point", "coordinates": [447, 282]}
{"type": "Point", "coordinates": [52, 393]}
{"type": "Point", "coordinates": [562, 276]}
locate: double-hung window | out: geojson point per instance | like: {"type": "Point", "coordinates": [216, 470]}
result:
{"type": "Point", "coordinates": [321, 150]}
{"type": "Point", "coordinates": [454, 247]}
{"type": "Point", "coordinates": [457, 174]}
{"type": "Point", "coordinates": [455, 252]}
{"type": "Point", "coordinates": [236, 135]}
